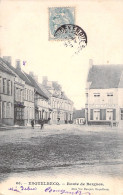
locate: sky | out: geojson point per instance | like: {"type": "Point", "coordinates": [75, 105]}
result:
{"type": "Point", "coordinates": [24, 35]}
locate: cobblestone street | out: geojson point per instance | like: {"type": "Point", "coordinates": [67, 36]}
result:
{"type": "Point", "coordinates": [62, 148]}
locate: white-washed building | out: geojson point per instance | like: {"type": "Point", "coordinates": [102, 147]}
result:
{"type": "Point", "coordinates": [6, 94]}
{"type": "Point", "coordinates": [104, 94]}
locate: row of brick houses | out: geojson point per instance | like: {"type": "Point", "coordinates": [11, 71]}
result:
{"type": "Point", "coordinates": [104, 94]}
{"type": "Point", "coordinates": [23, 98]}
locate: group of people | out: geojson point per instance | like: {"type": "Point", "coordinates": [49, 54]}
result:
{"type": "Point", "coordinates": [41, 123]}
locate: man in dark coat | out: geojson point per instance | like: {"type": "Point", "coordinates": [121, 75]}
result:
{"type": "Point", "coordinates": [32, 123]}
{"type": "Point", "coordinates": [42, 123]}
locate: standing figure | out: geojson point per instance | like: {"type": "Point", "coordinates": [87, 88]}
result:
{"type": "Point", "coordinates": [32, 123]}
{"type": "Point", "coordinates": [42, 123]}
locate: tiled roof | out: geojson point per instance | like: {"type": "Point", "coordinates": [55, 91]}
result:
{"type": "Point", "coordinates": [105, 76]}
{"type": "Point", "coordinates": [56, 86]}
{"type": "Point", "coordinates": [18, 72]}
{"type": "Point", "coordinates": [2, 68]}
{"type": "Point", "coordinates": [79, 114]}
{"type": "Point", "coordinates": [23, 76]}
{"type": "Point", "coordinates": [45, 90]}
{"type": "Point", "coordinates": [36, 86]}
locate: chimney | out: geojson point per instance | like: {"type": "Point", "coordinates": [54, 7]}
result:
{"type": "Point", "coordinates": [44, 82]}
{"type": "Point", "coordinates": [18, 64]}
{"type": "Point", "coordinates": [7, 59]}
{"type": "Point", "coordinates": [90, 63]}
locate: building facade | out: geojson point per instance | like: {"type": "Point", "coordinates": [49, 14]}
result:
{"type": "Point", "coordinates": [6, 95]}
{"type": "Point", "coordinates": [23, 94]}
{"type": "Point", "coordinates": [41, 100]}
{"type": "Point", "coordinates": [23, 98]}
{"type": "Point", "coordinates": [104, 95]}
{"type": "Point", "coordinates": [61, 106]}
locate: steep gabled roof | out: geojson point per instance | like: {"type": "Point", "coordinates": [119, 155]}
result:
{"type": "Point", "coordinates": [23, 76]}
{"type": "Point", "coordinates": [45, 90]}
{"type": "Point", "coordinates": [79, 114]}
{"type": "Point", "coordinates": [37, 87]}
{"type": "Point", "coordinates": [18, 72]}
{"type": "Point", "coordinates": [4, 69]}
{"type": "Point", "coordinates": [105, 76]}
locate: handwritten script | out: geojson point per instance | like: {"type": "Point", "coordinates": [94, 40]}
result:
{"type": "Point", "coordinates": [22, 188]}
{"type": "Point", "coordinates": [49, 189]}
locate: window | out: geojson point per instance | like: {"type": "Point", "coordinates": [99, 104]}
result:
{"type": "Point", "coordinates": [9, 87]}
{"type": "Point", "coordinates": [4, 86]}
{"type": "Point", "coordinates": [121, 113]}
{"type": "Point", "coordinates": [1, 85]}
{"type": "Point", "coordinates": [22, 95]}
{"type": "Point", "coordinates": [32, 96]}
{"type": "Point", "coordinates": [96, 94]}
{"type": "Point", "coordinates": [19, 94]}
{"type": "Point", "coordinates": [19, 113]}
{"type": "Point", "coordinates": [27, 95]}
{"type": "Point", "coordinates": [96, 115]}
{"type": "Point", "coordinates": [4, 109]}
{"type": "Point", "coordinates": [15, 93]}
{"type": "Point", "coordinates": [109, 115]}
{"type": "Point", "coordinates": [110, 94]}
{"type": "Point", "coordinates": [110, 98]}
{"type": "Point", "coordinates": [97, 97]}
{"type": "Point", "coordinates": [8, 110]}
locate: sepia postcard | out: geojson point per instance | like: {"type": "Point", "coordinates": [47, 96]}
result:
{"type": "Point", "coordinates": [61, 97]}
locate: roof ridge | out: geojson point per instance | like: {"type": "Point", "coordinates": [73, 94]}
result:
{"type": "Point", "coordinates": [25, 75]}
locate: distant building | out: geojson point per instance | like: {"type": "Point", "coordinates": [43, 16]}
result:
{"type": "Point", "coordinates": [61, 106]}
{"type": "Point", "coordinates": [25, 98]}
{"type": "Point", "coordinates": [41, 100]}
{"type": "Point", "coordinates": [6, 94]}
{"type": "Point", "coordinates": [79, 117]}
{"type": "Point", "coordinates": [104, 94]}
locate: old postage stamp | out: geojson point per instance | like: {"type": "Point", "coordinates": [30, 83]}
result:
{"type": "Point", "coordinates": [59, 16]}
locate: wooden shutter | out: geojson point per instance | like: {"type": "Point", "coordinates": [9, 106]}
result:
{"type": "Point", "coordinates": [91, 114]}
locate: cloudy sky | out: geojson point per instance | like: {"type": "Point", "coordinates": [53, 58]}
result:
{"type": "Point", "coordinates": [24, 35]}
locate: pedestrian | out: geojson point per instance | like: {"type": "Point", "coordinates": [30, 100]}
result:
{"type": "Point", "coordinates": [32, 123]}
{"type": "Point", "coordinates": [42, 123]}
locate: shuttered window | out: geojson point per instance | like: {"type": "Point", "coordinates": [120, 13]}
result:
{"type": "Point", "coordinates": [91, 114]}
